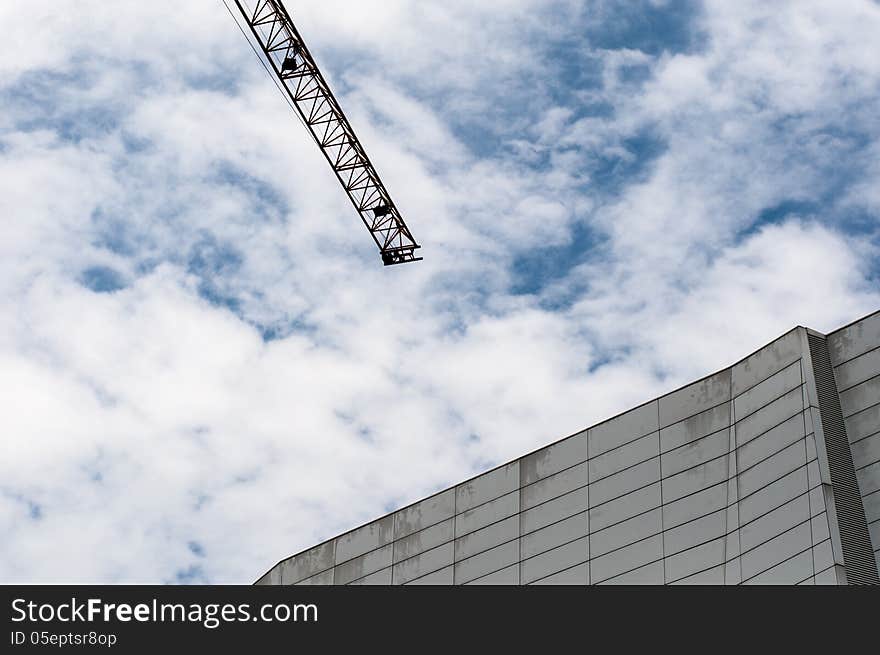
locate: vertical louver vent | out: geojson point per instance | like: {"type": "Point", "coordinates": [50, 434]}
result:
{"type": "Point", "coordinates": [858, 555]}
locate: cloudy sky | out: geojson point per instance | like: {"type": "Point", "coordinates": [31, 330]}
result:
{"type": "Point", "coordinates": [204, 366]}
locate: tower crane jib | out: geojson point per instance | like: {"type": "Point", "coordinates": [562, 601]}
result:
{"type": "Point", "coordinates": [301, 80]}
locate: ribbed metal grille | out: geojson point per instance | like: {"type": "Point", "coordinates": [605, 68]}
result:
{"type": "Point", "coordinates": [858, 555]}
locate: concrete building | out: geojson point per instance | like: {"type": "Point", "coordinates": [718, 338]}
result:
{"type": "Point", "coordinates": [765, 472]}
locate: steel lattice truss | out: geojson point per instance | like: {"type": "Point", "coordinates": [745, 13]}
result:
{"type": "Point", "coordinates": [302, 81]}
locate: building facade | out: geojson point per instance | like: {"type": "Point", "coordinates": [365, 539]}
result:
{"type": "Point", "coordinates": [767, 472]}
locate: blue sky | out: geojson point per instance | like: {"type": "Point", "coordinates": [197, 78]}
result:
{"type": "Point", "coordinates": [206, 368]}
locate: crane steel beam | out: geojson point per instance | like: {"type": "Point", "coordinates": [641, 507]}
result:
{"type": "Point", "coordinates": [301, 79]}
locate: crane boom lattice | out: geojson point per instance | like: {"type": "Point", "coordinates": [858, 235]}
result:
{"type": "Point", "coordinates": [313, 100]}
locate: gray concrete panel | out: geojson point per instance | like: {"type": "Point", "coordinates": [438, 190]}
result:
{"type": "Point", "coordinates": [732, 513]}
{"type": "Point", "coordinates": [766, 362]}
{"type": "Point", "coordinates": [652, 574]}
{"type": "Point", "coordinates": [695, 427]}
{"type": "Point", "coordinates": [424, 540]}
{"type": "Point", "coordinates": [307, 564]}
{"type": "Point", "coordinates": [554, 486]}
{"type": "Point", "coordinates": [322, 579]}
{"type": "Point", "coordinates": [775, 439]}
{"type": "Point", "coordinates": [485, 514]}
{"type": "Point", "coordinates": [382, 578]}
{"type": "Point", "coordinates": [866, 451]}
{"type": "Point", "coordinates": [809, 428]}
{"type": "Point", "coordinates": [695, 532]}
{"type": "Point", "coordinates": [713, 576]}
{"type": "Point", "coordinates": [863, 424]}
{"type": "Point", "coordinates": [424, 514]}
{"type": "Point", "coordinates": [576, 575]}
{"type": "Point", "coordinates": [695, 398]}
{"type": "Point", "coordinates": [852, 341]}
{"type": "Point", "coordinates": [441, 577]}
{"type": "Point", "coordinates": [831, 510]}
{"type": "Point", "coordinates": [484, 488]}
{"type": "Point", "coordinates": [624, 456]}
{"type": "Point", "coordinates": [787, 573]}
{"type": "Point", "coordinates": [487, 562]}
{"type": "Point", "coordinates": [813, 424]}
{"type": "Point", "coordinates": [554, 458]}
{"type": "Point", "coordinates": [772, 468]}
{"type": "Point", "coordinates": [427, 562]}
{"type": "Point", "coordinates": [775, 386]}
{"type": "Point", "coordinates": [486, 538]}
{"type": "Point", "coordinates": [692, 507]}
{"type": "Point", "coordinates": [858, 370]}
{"type": "Point", "coordinates": [617, 510]}
{"type": "Point", "coordinates": [823, 557]}
{"type": "Point", "coordinates": [506, 576]}
{"type": "Point", "coordinates": [810, 441]}
{"type": "Point", "coordinates": [364, 539]}
{"type": "Point", "coordinates": [732, 545]}
{"type": "Point", "coordinates": [695, 560]}
{"type": "Point", "coordinates": [860, 397]}
{"type": "Point", "coordinates": [774, 523]}
{"type": "Point", "coordinates": [555, 560]}
{"type": "Point", "coordinates": [694, 479]}
{"type": "Point", "coordinates": [813, 477]}
{"type": "Point", "coordinates": [622, 483]}
{"type": "Point", "coordinates": [554, 510]}
{"type": "Point", "coordinates": [874, 531]}
{"type": "Point", "coordinates": [696, 452]}
{"type": "Point", "coordinates": [626, 532]}
{"type": "Point", "coordinates": [772, 496]}
{"type": "Point", "coordinates": [554, 535]}
{"type": "Point", "coordinates": [869, 478]}
{"type": "Point", "coordinates": [769, 416]}
{"type": "Point", "coordinates": [819, 528]}
{"type": "Point", "coordinates": [776, 551]}
{"type": "Point", "coordinates": [363, 565]}
{"type": "Point", "coordinates": [622, 429]}
{"type": "Point", "coordinates": [732, 574]}
{"type": "Point", "coordinates": [872, 506]}
{"type": "Point", "coordinates": [625, 559]}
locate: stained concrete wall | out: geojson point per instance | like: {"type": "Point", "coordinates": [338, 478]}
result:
{"type": "Point", "coordinates": [855, 355]}
{"type": "Point", "coordinates": [716, 483]}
